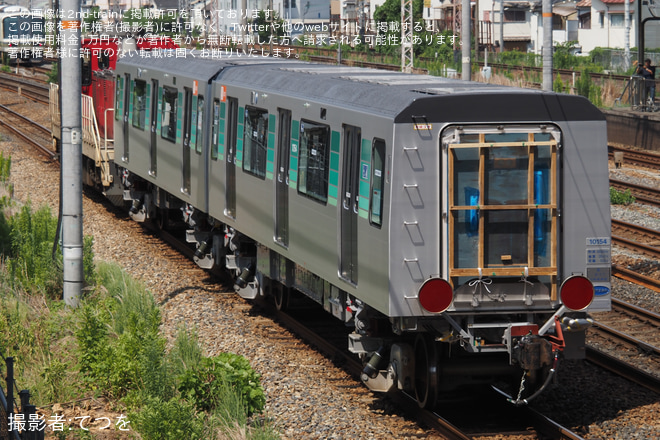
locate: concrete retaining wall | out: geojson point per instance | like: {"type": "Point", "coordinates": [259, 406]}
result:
{"type": "Point", "coordinates": [636, 129]}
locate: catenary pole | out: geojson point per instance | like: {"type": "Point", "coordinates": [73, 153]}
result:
{"type": "Point", "coordinates": [626, 34]}
{"type": "Point", "coordinates": [465, 39]}
{"type": "Point", "coordinates": [546, 9]}
{"type": "Point", "coordinates": [71, 160]}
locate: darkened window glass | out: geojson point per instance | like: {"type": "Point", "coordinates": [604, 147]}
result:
{"type": "Point", "coordinates": [255, 141]}
{"type": "Point", "coordinates": [199, 140]}
{"type": "Point", "coordinates": [215, 129]}
{"type": "Point", "coordinates": [118, 91]}
{"type": "Point", "coordinates": [377, 182]}
{"type": "Point", "coordinates": [313, 166]}
{"type": "Point", "coordinates": [169, 111]}
{"type": "Point", "coordinates": [139, 103]}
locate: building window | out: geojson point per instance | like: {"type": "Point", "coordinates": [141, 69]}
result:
{"type": "Point", "coordinates": [314, 154]}
{"type": "Point", "coordinates": [255, 141]}
{"type": "Point", "coordinates": [617, 20]}
{"type": "Point", "coordinates": [514, 16]}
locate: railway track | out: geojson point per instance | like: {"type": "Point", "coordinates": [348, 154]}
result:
{"type": "Point", "coordinates": [634, 277]}
{"type": "Point", "coordinates": [633, 332]}
{"type": "Point", "coordinates": [29, 88]}
{"type": "Point", "coordinates": [636, 157]}
{"type": "Point", "coordinates": [650, 237]}
{"type": "Point", "coordinates": [642, 194]}
{"type": "Point", "coordinates": [636, 238]}
{"type": "Point", "coordinates": [453, 420]}
{"type": "Point", "coordinates": [31, 132]}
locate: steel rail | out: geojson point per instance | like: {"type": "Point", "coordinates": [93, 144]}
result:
{"type": "Point", "coordinates": [643, 194]}
{"type": "Point", "coordinates": [637, 311]}
{"type": "Point", "coordinates": [651, 251]}
{"type": "Point", "coordinates": [634, 277]}
{"type": "Point", "coordinates": [631, 227]}
{"type": "Point", "coordinates": [37, 91]}
{"type": "Point", "coordinates": [44, 130]}
{"type": "Point", "coordinates": [637, 157]}
{"type": "Point", "coordinates": [623, 369]}
{"type": "Point", "coordinates": [607, 331]}
{"type": "Point", "coordinates": [43, 150]}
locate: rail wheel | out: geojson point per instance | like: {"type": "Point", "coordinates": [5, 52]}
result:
{"type": "Point", "coordinates": [281, 296]}
{"type": "Point", "coordinates": [426, 371]}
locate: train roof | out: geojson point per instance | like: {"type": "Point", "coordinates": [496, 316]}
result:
{"type": "Point", "coordinates": [403, 97]}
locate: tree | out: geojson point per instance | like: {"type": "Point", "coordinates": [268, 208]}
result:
{"type": "Point", "coordinates": [263, 24]}
{"type": "Point", "coordinates": [390, 12]}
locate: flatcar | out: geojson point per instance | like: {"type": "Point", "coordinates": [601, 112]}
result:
{"type": "Point", "coordinates": [99, 58]}
{"type": "Point", "coordinates": [462, 229]}
{"type": "Point", "coordinates": [21, 35]}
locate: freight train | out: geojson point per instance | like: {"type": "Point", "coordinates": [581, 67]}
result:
{"type": "Point", "coordinates": [21, 35]}
{"type": "Point", "coordinates": [462, 229]}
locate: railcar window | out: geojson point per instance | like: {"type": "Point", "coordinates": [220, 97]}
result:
{"type": "Point", "coordinates": [255, 141]}
{"type": "Point", "coordinates": [199, 140]}
{"type": "Point", "coordinates": [377, 182]}
{"type": "Point", "coordinates": [169, 112]}
{"type": "Point", "coordinates": [503, 202]}
{"type": "Point", "coordinates": [215, 129]}
{"type": "Point", "coordinates": [139, 103]}
{"type": "Point", "coordinates": [313, 160]}
{"type": "Point", "coordinates": [103, 59]}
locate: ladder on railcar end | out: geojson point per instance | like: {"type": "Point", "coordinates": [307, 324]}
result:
{"type": "Point", "coordinates": [103, 147]}
{"type": "Point", "coordinates": [54, 110]}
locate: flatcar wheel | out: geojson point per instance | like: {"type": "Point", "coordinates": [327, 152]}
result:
{"type": "Point", "coordinates": [281, 296]}
{"type": "Point", "coordinates": [426, 371]}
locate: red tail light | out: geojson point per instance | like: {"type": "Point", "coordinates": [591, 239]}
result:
{"type": "Point", "coordinates": [577, 292]}
{"type": "Point", "coordinates": [435, 295]}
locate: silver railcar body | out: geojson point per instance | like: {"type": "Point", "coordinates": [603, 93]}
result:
{"type": "Point", "coordinates": [459, 214]}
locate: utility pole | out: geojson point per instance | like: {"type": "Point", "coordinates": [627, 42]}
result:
{"type": "Point", "coordinates": [406, 36]}
{"type": "Point", "coordinates": [465, 40]}
{"type": "Point", "coordinates": [244, 33]}
{"type": "Point", "coordinates": [626, 37]}
{"type": "Point", "coordinates": [71, 161]}
{"type": "Point", "coordinates": [546, 9]}
{"type": "Point", "coordinates": [476, 31]}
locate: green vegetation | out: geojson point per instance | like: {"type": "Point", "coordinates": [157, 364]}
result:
{"type": "Point", "coordinates": [621, 197]}
{"type": "Point", "coordinates": [53, 75]}
{"type": "Point", "coordinates": [111, 346]}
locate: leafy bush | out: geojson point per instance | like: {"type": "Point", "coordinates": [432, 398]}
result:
{"type": "Point", "coordinates": [173, 419]}
{"type": "Point", "coordinates": [621, 197]}
{"type": "Point", "coordinates": [31, 261]}
{"type": "Point", "coordinates": [203, 383]}
{"type": "Point", "coordinates": [120, 348]}
{"type": "Point", "coordinates": [558, 85]}
{"type": "Point", "coordinates": [53, 75]}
